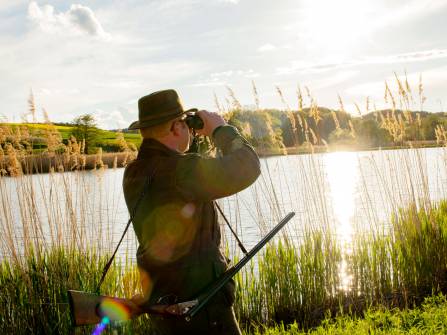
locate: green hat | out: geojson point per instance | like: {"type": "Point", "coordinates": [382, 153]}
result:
{"type": "Point", "coordinates": [157, 108]}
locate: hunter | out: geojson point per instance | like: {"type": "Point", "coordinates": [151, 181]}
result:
{"type": "Point", "coordinates": [179, 252]}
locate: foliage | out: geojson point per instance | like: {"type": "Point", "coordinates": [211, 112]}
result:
{"type": "Point", "coordinates": [259, 127]}
{"type": "Point", "coordinates": [273, 128]}
{"type": "Point", "coordinates": [369, 134]}
{"type": "Point", "coordinates": [41, 134]}
{"type": "Point", "coordinates": [303, 284]}
{"type": "Point", "coordinates": [291, 285]}
{"type": "Point", "coordinates": [428, 319]}
{"type": "Point", "coordinates": [34, 293]}
{"type": "Point", "coordinates": [85, 130]}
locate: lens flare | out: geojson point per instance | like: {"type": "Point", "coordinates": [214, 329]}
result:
{"type": "Point", "coordinates": [101, 326]}
{"type": "Point", "coordinates": [113, 310]}
{"type": "Point", "coordinates": [169, 232]}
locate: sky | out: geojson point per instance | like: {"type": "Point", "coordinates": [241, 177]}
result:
{"type": "Point", "coordinates": [101, 56]}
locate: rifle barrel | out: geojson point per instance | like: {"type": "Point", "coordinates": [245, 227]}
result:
{"type": "Point", "coordinates": [227, 275]}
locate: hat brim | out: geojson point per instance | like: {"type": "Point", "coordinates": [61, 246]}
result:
{"type": "Point", "coordinates": [150, 123]}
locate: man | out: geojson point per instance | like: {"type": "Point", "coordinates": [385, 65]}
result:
{"type": "Point", "coordinates": [175, 221]}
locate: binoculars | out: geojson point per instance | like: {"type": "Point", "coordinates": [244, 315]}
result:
{"type": "Point", "coordinates": [194, 121]}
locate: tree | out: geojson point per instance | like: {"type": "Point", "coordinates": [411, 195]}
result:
{"type": "Point", "coordinates": [370, 134]}
{"type": "Point", "coordinates": [428, 126]}
{"type": "Point", "coordinates": [84, 129]}
{"type": "Point", "coordinates": [261, 128]}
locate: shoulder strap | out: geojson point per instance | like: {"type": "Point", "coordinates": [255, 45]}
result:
{"type": "Point", "coordinates": [132, 216]}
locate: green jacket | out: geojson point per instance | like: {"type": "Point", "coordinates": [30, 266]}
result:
{"type": "Point", "coordinates": [176, 222]}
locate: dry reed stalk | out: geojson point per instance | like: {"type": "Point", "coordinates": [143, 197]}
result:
{"type": "Point", "coordinates": [352, 129]}
{"type": "Point", "coordinates": [422, 98]}
{"type": "Point", "coordinates": [32, 106]}
{"type": "Point", "coordinates": [340, 102]}
{"type": "Point", "coordinates": [336, 122]}
{"type": "Point", "coordinates": [357, 108]}
{"type": "Point", "coordinates": [235, 104]}
{"type": "Point", "coordinates": [217, 104]}
{"type": "Point", "coordinates": [300, 115]}
{"type": "Point", "coordinates": [367, 105]}
{"type": "Point", "coordinates": [290, 114]}
{"type": "Point", "coordinates": [255, 94]}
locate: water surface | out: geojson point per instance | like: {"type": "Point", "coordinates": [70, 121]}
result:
{"type": "Point", "coordinates": [343, 192]}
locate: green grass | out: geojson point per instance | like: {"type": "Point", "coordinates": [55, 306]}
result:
{"type": "Point", "coordinates": [394, 267]}
{"type": "Point", "coordinates": [34, 294]}
{"type": "Point", "coordinates": [297, 286]}
{"type": "Point", "coordinates": [292, 288]}
{"type": "Point", "coordinates": [109, 137]}
{"type": "Point", "coordinates": [398, 269]}
{"type": "Point", "coordinates": [106, 139]}
{"type": "Point", "coordinates": [430, 318]}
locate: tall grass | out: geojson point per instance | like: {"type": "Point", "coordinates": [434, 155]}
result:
{"type": "Point", "coordinates": [59, 234]}
{"type": "Point", "coordinates": [34, 293]}
{"type": "Point", "coordinates": [427, 319]}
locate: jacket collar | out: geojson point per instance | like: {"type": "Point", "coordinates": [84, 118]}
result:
{"type": "Point", "coordinates": [150, 147]}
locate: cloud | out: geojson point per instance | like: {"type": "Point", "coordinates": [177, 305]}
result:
{"type": "Point", "coordinates": [223, 78]}
{"type": "Point", "coordinates": [310, 67]}
{"type": "Point", "coordinates": [375, 90]}
{"type": "Point", "coordinates": [411, 10]}
{"type": "Point", "coordinates": [116, 119]}
{"type": "Point", "coordinates": [210, 82]}
{"type": "Point", "coordinates": [222, 74]}
{"type": "Point", "coordinates": [419, 56]}
{"type": "Point", "coordinates": [307, 67]}
{"type": "Point", "coordinates": [338, 78]}
{"type": "Point", "coordinates": [267, 47]}
{"type": "Point", "coordinates": [60, 92]}
{"type": "Point", "coordinates": [126, 84]}
{"type": "Point", "coordinates": [78, 20]}
{"type": "Point", "coordinates": [230, 1]}
{"type": "Point", "coordinates": [11, 4]}
{"type": "Point", "coordinates": [432, 80]}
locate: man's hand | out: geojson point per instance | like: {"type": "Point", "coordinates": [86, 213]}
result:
{"type": "Point", "coordinates": [210, 122]}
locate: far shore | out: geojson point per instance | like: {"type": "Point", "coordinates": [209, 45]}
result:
{"type": "Point", "coordinates": [307, 149]}
{"type": "Point", "coordinates": [45, 163]}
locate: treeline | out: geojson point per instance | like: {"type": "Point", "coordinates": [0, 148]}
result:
{"type": "Point", "coordinates": [264, 128]}
{"type": "Point", "coordinates": [81, 134]}
{"type": "Point", "coordinates": [271, 128]}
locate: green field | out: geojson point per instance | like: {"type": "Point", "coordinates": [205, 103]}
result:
{"type": "Point", "coordinates": [105, 139]}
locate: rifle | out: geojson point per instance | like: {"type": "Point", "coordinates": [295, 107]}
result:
{"type": "Point", "coordinates": [89, 308]}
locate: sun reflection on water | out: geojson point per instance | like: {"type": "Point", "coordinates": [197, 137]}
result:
{"type": "Point", "coordinates": [343, 173]}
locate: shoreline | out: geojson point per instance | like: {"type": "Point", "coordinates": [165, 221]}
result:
{"type": "Point", "coordinates": [46, 163]}
{"type": "Point", "coordinates": [305, 150]}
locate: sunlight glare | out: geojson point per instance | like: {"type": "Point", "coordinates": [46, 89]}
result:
{"type": "Point", "coordinates": [342, 173]}
{"type": "Point", "coordinates": [335, 25]}
{"type": "Point", "coordinates": [341, 168]}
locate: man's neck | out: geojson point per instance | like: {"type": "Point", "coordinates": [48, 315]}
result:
{"type": "Point", "coordinates": [167, 142]}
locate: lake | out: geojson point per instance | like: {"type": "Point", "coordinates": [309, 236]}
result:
{"type": "Point", "coordinates": [345, 192]}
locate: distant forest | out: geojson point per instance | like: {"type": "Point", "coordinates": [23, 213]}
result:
{"type": "Point", "coordinates": [268, 130]}
{"type": "Point", "coordinates": [271, 128]}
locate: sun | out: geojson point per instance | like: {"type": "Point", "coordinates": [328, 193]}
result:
{"type": "Point", "coordinates": [335, 26]}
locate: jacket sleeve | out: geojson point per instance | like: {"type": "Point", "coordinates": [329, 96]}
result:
{"type": "Point", "coordinates": [200, 178]}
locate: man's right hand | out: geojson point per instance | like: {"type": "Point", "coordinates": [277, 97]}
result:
{"type": "Point", "coordinates": [210, 122]}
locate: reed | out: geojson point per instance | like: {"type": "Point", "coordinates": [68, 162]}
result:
{"type": "Point", "coordinates": [34, 293]}
{"type": "Point", "coordinates": [395, 258]}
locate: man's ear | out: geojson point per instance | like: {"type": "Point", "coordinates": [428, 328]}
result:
{"type": "Point", "coordinates": [177, 128]}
